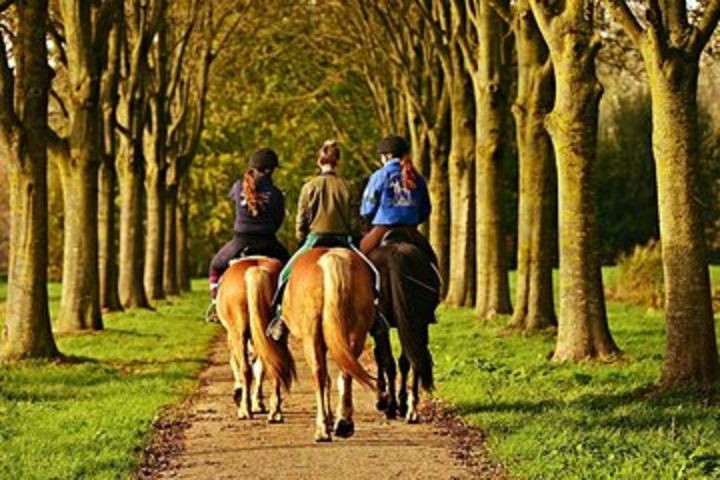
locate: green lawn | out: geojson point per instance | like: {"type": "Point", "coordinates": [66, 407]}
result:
{"type": "Point", "coordinates": [588, 421]}
{"type": "Point", "coordinates": [90, 417]}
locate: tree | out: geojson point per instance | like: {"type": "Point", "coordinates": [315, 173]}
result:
{"type": "Point", "coordinates": [140, 25]}
{"type": "Point", "coordinates": [534, 304]}
{"type": "Point", "coordinates": [572, 124]}
{"type": "Point", "coordinates": [78, 153]}
{"type": "Point", "coordinates": [483, 51]}
{"type": "Point", "coordinates": [23, 121]}
{"type": "Point", "coordinates": [447, 25]}
{"type": "Point", "coordinates": [107, 180]}
{"type": "Point", "coordinates": [671, 48]}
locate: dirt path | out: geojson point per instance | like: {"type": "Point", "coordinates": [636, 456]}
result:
{"type": "Point", "coordinates": [212, 443]}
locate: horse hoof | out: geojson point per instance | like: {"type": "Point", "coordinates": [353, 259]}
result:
{"type": "Point", "coordinates": [402, 410]}
{"type": "Point", "coordinates": [391, 413]}
{"type": "Point", "coordinates": [412, 418]}
{"type": "Point", "coordinates": [275, 418]}
{"type": "Point", "coordinates": [382, 403]}
{"type": "Point", "coordinates": [237, 396]}
{"type": "Point", "coordinates": [322, 436]}
{"type": "Point", "coordinates": [344, 428]}
{"type": "Point", "coordinates": [244, 414]}
{"type": "Point", "coordinates": [260, 408]}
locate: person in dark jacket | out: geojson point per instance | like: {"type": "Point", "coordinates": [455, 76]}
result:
{"type": "Point", "coordinates": [259, 213]}
{"type": "Point", "coordinates": [396, 197]}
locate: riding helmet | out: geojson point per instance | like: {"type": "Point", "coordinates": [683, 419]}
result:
{"type": "Point", "coordinates": [263, 159]}
{"type": "Point", "coordinates": [394, 145]}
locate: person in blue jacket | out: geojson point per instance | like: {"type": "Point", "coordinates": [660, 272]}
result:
{"type": "Point", "coordinates": [259, 213]}
{"type": "Point", "coordinates": [396, 197]}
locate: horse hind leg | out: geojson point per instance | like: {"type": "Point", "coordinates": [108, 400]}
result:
{"type": "Point", "coordinates": [403, 395]}
{"type": "Point", "coordinates": [243, 374]}
{"type": "Point", "coordinates": [258, 403]}
{"type": "Point", "coordinates": [275, 414]}
{"type": "Point", "coordinates": [315, 356]}
{"type": "Point", "coordinates": [345, 427]}
{"type": "Point", "coordinates": [386, 397]}
{"type": "Point", "coordinates": [412, 413]}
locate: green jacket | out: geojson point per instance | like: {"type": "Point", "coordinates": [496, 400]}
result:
{"type": "Point", "coordinates": [325, 207]}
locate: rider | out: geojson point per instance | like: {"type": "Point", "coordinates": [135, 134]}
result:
{"type": "Point", "coordinates": [396, 197]}
{"type": "Point", "coordinates": [324, 219]}
{"type": "Point", "coordinates": [259, 213]}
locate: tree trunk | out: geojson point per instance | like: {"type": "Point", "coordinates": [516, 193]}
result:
{"type": "Point", "coordinates": [155, 236]}
{"type": "Point", "coordinates": [26, 330]}
{"type": "Point", "coordinates": [583, 330]}
{"type": "Point", "coordinates": [490, 84]}
{"type": "Point", "coordinates": [534, 304]}
{"type": "Point", "coordinates": [107, 253]}
{"type": "Point", "coordinates": [183, 255]}
{"type": "Point", "coordinates": [439, 193]}
{"type": "Point", "coordinates": [170, 275]}
{"type": "Point", "coordinates": [691, 356]}
{"type": "Point", "coordinates": [130, 170]}
{"type": "Point", "coordinates": [80, 301]}
{"type": "Point", "coordinates": [461, 164]}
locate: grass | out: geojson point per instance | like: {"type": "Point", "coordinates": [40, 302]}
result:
{"type": "Point", "coordinates": [89, 417]}
{"type": "Point", "coordinates": [586, 421]}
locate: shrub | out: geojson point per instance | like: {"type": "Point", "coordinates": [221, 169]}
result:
{"type": "Point", "coordinates": [640, 276]}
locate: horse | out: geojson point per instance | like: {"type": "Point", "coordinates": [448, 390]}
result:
{"type": "Point", "coordinates": [329, 306]}
{"type": "Point", "coordinates": [243, 306]}
{"type": "Point", "coordinates": [410, 293]}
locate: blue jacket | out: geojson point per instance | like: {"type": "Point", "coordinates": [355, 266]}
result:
{"type": "Point", "coordinates": [271, 208]}
{"type": "Point", "coordinates": [387, 202]}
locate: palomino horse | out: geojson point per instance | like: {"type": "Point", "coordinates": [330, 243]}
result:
{"type": "Point", "coordinates": [410, 293]}
{"type": "Point", "coordinates": [329, 306]}
{"type": "Point", "coordinates": [243, 305]}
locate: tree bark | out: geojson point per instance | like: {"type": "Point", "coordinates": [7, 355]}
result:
{"type": "Point", "coordinates": [490, 83]}
{"type": "Point", "coordinates": [26, 331]}
{"type": "Point", "coordinates": [183, 254]}
{"type": "Point", "coordinates": [131, 171]}
{"type": "Point", "coordinates": [155, 230]}
{"type": "Point", "coordinates": [170, 271]}
{"type": "Point", "coordinates": [534, 303]}
{"type": "Point", "coordinates": [583, 331]}
{"type": "Point", "coordinates": [461, 164]}
{"type": "Point", "coordinates": [438, 140]}
{"type": "Point", "coordinates": [688, 301]}
{"type": "Point", "coordinates": [80, 301]}
{"type": "Point", "coordinates": [107, 252]}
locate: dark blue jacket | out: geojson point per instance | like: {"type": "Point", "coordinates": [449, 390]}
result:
{"type": "Point", "coordinates": [271, 208]}
{"type": "Point", "coordinates": [387, 202]}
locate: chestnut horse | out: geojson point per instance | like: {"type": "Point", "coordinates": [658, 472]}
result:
{"type": "Point", "coordinates": [243, 305]}
{"type": "Point", "coordinates": [329, 307]}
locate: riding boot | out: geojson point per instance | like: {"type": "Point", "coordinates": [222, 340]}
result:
{"type": "Point", "coordinates": [277, 329]}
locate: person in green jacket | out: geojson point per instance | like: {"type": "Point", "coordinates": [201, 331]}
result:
{"type": "Point", "coordinates": [324, 218]}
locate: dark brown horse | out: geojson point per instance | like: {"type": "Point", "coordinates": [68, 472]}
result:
{"type": "Point", "coordinates": [329, 307]}
{"type": "Point", "coordinates": [410, 294]}
{"type": "Point", "coordinates": [243, 305]}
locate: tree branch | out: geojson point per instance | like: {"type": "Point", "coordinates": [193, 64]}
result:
{"type": "Point", "coordinates": [703, 32]}
{"type": "Point", "coordinates": [622, 13]}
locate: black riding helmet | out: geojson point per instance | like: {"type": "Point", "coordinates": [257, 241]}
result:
{"type": "Point", "coordinates": [393, 145]}
{"type": "Point", "coordinates": [263, 159]}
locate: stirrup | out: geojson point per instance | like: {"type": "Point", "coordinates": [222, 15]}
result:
{"type": "Point", "coordinates": [276, 329]}
{"type": "Point", "coordinates": [211, 315]}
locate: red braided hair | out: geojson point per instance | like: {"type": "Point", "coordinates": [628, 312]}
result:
{"type": "Point", "coordinates": [408, 172]}
{"type": "Point", "coordinates": [250, 191]}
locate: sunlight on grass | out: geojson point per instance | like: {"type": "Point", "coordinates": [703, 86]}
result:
{"type": "Point", "coordinates": [551, 421]}
{"type": "Point", "coordinates": [89, 418]}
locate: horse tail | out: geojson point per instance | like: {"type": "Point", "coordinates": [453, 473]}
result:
{"type": "Point", "coordinates": [275, 356]}
{"type": "Point", "coordinates": [337, 287]}
{"type": "Point", "coordinates": [412, 319]}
